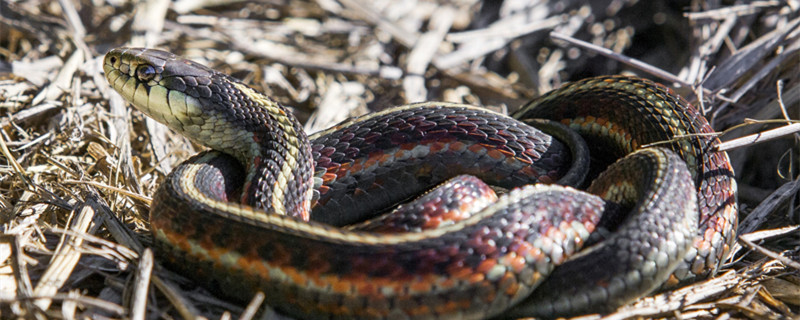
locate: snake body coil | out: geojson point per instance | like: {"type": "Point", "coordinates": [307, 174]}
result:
{"type": "Point", "coordinates": [236, 220]}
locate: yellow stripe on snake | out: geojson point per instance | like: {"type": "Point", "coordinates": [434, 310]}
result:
{"type": "Point", "coordinates": [272, 210]}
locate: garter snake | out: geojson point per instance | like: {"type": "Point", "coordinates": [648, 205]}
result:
{"type": "Point", "coordinates": [237, 218]}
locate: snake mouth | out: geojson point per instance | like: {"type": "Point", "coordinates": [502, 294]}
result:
{"type": "Point", "coordinates": [139, 82]}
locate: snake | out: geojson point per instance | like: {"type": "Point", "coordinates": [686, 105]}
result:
{"type": "Point", "coordinates": [309, 220]}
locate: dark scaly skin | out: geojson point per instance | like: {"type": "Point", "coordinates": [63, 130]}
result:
{"type": "Point", "coordinates": [374, 161]}
{"type": "Point", "coordinates": [473, 269]}
{"type": "Point", "coordinates": [226, 241]}
{"type": "Point", "coordinates": [599, 110]}
{"type": "Point", "coordinates": [450, 202]}
{"type": "Point", "coordinates": [628, 264]}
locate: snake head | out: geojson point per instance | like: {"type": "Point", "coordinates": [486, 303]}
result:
{"type": "Point", "coordinates": [209, 107]}
{"type": "Point", "coordinates": [165, 87]}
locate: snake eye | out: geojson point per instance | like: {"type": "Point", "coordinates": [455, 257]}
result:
{"type": "Point", "coordinates": [145, 72]}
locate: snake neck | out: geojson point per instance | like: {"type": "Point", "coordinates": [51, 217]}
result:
{"type": "Point", "coordinates": [220, 112]}
{"type": "Point", "coordinates": [279, 151]}
{"type": "Point", "coordinates": [267, 139]}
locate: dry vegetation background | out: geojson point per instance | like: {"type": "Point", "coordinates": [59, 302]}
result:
{"type": "Point", "coordinates": [77, 164]}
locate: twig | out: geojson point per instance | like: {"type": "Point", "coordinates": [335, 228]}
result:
{"type": "Point", "coordinates": [423, 53]}
{"type": "Point", "coordinates": [300, 61]}
{"type": "Point", "coordinates": [483, 46]}
{"type": "Point", "coordinates": [758, 137]}
{"type": "Point", "coordinates": [143, 198]}
{"type": "Point", "coordinates": [675, 300]}
{"type": "Point", "coordinates": [13, 162]}
{"type": "Point", "coordinates": [252, 307]}
{"type": "Point", "coordinates": [788, 262]}
{"type": "Point", "coordinates": [770, 233]}
{"type": "Point", "coordinates": [732, 68]}
{"type": "Point", "coordinates": [663, 74]}
{"type": "Point", "coordinates": [406, 38]}
{"type": "Point", "coordinates": [141, 285]}
{"type": "Point", "coordinates": [502, 30]}
{"type": "Point", "coordinates": [84, 300]}
{"type": "Point", "coordinates": [148, 22]}
{"type": "Point", "coordinates": [186, 309]}
{"type": "Point", "coordinates": [766, 70]}
{"type": "Point", "coordinates": [759, 215]}
{"type": "Point", "coordinates": [66, 256]}
{"type": "Point", "coordinates": [736, 10]}
{"type": "Point", "coordinates": [20, 269]}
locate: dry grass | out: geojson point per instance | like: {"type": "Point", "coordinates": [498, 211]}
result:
{"type": "Point", "coordinates": [77, 165]}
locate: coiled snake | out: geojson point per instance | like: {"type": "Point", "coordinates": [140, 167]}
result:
{"type": "Point", "coordinates": [237, 219]}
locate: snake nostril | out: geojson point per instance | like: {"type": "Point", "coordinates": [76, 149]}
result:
{"type": "Point", "coordinates": [113, 60]}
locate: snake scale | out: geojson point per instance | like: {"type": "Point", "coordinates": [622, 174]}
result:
{"type": "Point", "coordinates": [269, 209]}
